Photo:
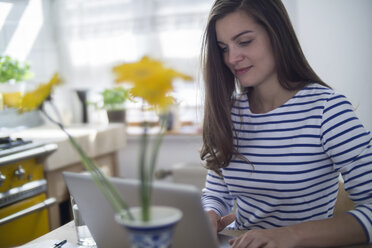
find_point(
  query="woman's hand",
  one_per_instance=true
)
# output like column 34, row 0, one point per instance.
column 218, row 222
column 269, row 238
column 341, row 230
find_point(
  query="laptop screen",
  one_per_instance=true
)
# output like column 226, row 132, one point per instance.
column 194, row 229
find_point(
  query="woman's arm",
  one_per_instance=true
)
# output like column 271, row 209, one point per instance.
column 219, row 223
column 349, row 147
column 337, row 231
column 344, row 229
column 216, row 196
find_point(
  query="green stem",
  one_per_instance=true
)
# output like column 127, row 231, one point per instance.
column 148, row 171
column 143, row 175
column 157, row 144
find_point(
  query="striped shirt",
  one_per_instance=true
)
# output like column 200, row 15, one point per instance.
column 297, row 152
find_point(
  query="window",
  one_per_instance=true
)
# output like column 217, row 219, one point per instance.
column 95, row 35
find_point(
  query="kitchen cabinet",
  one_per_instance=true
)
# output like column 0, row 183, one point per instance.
column 101, row 142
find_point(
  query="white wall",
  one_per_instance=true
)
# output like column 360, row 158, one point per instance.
column 336, row 36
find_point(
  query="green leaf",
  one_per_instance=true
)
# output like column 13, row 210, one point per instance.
column 11, row 69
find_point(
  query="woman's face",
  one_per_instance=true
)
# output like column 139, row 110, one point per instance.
column 246, row 49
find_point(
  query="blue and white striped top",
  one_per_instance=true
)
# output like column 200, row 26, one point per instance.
column 297, row 153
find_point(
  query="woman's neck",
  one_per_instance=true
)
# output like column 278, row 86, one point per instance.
column 265, row 99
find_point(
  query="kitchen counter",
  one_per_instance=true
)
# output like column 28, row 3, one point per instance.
column 100, row 142
column 95, row 140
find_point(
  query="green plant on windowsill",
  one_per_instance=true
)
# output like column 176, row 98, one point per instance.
column 113, row 99
column 13, row 71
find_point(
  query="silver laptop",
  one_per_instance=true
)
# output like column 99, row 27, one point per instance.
column 194, row 229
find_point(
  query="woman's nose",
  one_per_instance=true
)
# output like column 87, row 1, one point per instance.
column 234, row 56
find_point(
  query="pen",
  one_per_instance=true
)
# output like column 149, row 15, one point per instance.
column 57, row 245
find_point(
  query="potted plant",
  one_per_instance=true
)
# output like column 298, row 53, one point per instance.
column 14, row 83
column 12, row 74
column 151, row 81
column 13, row 71
column 113, row 101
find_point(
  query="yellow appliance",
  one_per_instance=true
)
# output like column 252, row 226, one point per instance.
column 23, row 201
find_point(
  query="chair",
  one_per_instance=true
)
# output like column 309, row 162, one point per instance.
column 343, row 202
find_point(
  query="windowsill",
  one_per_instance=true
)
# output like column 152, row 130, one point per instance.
column 135, row 130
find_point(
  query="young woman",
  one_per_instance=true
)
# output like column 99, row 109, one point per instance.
column 276, row 138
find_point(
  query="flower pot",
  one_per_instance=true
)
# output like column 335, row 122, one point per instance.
column 116, row 115
column 157, row 232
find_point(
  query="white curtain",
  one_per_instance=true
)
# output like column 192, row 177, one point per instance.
column 93, row 35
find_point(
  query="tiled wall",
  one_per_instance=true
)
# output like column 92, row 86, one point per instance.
column 26, row 34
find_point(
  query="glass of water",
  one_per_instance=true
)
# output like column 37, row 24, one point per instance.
column 84, row 237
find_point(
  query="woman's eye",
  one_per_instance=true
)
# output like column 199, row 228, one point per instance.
column 244, row 43
column 223, row 49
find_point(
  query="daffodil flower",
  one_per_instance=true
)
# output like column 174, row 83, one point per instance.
column 12, row 99
column 30, row 100
column 151, row 81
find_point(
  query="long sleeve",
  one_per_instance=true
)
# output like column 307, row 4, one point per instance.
column 348, row 144
column 216, row 195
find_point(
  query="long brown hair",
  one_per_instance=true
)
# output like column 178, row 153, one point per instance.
column 294, row 72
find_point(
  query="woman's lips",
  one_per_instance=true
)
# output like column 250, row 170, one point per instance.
column 242, row 70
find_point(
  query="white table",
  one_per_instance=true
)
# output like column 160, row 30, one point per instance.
column 67, row 232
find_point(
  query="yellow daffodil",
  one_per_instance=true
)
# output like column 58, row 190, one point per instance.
column 12, row 99
column 151, row 80
column 30, row 100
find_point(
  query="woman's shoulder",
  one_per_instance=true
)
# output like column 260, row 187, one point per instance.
column 316, row 88
column 323, row 95
column 318, row 91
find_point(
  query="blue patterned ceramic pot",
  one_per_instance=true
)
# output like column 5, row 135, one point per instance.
column 157, row 233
